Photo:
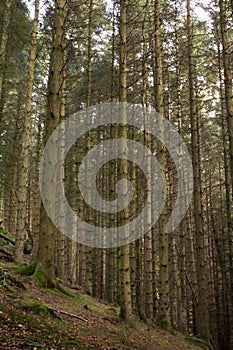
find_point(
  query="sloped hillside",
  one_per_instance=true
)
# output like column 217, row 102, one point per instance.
column 37, row 318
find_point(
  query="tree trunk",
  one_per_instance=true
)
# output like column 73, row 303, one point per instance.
column 35, row 193
column 148, row 257
column 227, row 65
column 46, row 249
column 3, row 43
column 163, row 309
column 126, row 302
column 24, row 163
column 202, row 306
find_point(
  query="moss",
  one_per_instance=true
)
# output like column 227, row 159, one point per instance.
column 7, row 236
column 39, row 331
column 203, row 343
column 162, row 323
column 39, row 273
column 38, row 308
column 41, row 277
column 26, row 270
column 113, row 311
column 131, row 324
column 7, row 287
column 58, row 287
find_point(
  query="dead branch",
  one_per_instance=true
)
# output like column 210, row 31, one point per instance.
column 68, row 314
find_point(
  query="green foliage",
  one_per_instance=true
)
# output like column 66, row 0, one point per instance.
column 20, row 30
column 14, row 85
column 101, row 84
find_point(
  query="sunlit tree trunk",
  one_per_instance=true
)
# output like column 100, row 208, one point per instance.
column 24, row 162
column 126, row 302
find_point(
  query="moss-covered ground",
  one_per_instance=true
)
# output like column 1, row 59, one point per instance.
column 33, row 317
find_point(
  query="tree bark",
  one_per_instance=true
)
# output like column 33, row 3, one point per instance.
column 24, row 163
column 202, row 305
column 126, row 302
column 227, row 65
column 163, row 308
column 46, row 249
column 3, row 43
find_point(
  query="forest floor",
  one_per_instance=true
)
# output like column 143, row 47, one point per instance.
column 37, row 318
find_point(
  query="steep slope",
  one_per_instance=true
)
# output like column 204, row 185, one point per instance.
column 37, row 318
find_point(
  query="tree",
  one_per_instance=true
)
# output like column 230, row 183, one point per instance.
column 24, row 164
column 46, row 248
column 201, row 307
column 227, row 65
column 158, row 54
column 163, row 309
column 11, row 105
column 126, row 302
column 3, row 43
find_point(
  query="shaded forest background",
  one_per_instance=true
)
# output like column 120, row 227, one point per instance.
column 75, row 54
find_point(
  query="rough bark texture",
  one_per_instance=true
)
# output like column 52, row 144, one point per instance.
column 227, row 65
column 24, row 163
column 163, row 309
column 126, row 303
column 201, row 307
column 3, row 43
column 46, row 251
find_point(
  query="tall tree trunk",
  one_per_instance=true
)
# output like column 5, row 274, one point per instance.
column 163, row 309
column 10, row 195
column 202, row 307
column 113, row 82
column 89, row 54
column 46, row 249
column 126, row 302
column 227, row 65
column 60, row 239
column 3, row 43
column 148, row 257
column 227, row 183
column 24, row 163
column 89, row 250
column 180, row 244
column 35, row 193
